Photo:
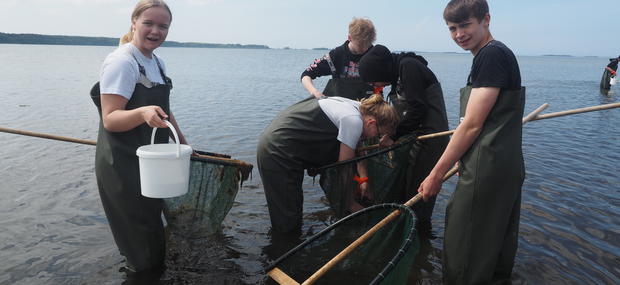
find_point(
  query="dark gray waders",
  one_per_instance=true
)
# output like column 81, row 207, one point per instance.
column 352, row 88
column 605, row 80
column 135, row 220
column 425, row 154
column 482, row 217
column 300, row 137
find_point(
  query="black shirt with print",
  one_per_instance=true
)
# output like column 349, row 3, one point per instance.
column 344, row 61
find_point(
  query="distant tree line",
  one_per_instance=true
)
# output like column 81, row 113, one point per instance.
column 36, row 39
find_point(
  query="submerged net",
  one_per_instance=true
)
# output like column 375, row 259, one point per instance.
column 385, row 258
column 214, row 182
column 386, row 171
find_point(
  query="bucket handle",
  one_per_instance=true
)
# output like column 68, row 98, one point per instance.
column 174, row 132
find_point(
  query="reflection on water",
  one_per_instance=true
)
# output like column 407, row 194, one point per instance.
column 53, row 229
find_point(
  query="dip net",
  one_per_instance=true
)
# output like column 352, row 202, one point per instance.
column 387, row 176
column 214, row 182
column 383, row 257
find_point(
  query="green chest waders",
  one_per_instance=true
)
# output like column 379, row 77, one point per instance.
column 605, row 85
column 424, row 154
column 482, row 217
column 352, row 88
column 135, row 220
column 300, row 137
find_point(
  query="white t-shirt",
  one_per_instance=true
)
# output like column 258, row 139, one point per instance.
column 120, row 73
column 345, row 114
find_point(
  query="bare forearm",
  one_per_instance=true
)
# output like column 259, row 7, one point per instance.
column 361, row 169
column 306, row 81
column 123, row 120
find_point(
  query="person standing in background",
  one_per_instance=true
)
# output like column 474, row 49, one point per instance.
column 609, row 73
column 342, row 64
column 132, row 97
column 482, row 216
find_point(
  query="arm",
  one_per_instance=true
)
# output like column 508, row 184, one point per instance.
column 480, row 103
column 306, row 81
column 346, row 152
column 319, row 67
column 117, row 119
column 415, row 78
column 613, row 72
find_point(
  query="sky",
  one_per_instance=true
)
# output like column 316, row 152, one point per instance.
column 528, row 27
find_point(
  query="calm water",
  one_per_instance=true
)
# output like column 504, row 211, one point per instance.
column 53, row 229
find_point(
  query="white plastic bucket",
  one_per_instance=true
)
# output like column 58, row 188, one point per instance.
column 613, row 80
column 164, row 168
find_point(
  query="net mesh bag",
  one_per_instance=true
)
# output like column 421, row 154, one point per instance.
column 214, row 182
column 385, row 258
column 386, row 171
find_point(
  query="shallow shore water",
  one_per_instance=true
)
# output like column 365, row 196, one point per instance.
column 53, row 229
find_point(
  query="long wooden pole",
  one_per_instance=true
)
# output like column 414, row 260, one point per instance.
column 540, row 117
column 47, row 136
column 90, row 142
column 391, row 217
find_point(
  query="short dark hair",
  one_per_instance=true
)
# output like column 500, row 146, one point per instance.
column 460, row 10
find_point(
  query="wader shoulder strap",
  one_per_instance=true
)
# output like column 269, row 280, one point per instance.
column 332, row 67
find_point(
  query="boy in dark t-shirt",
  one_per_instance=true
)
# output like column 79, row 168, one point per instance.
column 482, row 217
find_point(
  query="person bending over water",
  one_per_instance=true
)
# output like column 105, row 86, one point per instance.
column 310, row 134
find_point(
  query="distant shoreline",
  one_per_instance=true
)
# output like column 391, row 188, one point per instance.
column 38, row 39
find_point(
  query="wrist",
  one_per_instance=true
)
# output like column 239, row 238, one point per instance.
column 360, row 180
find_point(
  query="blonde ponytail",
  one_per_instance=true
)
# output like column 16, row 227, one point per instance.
column 386, row 116
column 128, row 37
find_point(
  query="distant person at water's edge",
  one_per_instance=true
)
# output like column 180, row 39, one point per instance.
column 482, row 216
column 612, row 67
column 342, row 64
column 133, row 92
column 310, row 134
column 417, row 96
column 609, row 73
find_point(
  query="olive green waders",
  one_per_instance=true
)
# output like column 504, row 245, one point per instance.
column 300, row 137
column 422, row 160
column 482, row 217
column 135, row 220
column 605, row 84
column 352, row 88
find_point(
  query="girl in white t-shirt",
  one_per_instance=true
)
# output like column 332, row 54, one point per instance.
column 133, row 97
column 310, row 134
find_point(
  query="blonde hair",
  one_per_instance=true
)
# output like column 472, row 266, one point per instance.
column 363, row 31
column 386, row 116
column 142, row 6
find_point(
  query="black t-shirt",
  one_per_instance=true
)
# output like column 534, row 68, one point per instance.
column 414, row 78
column 495, row 66
column 345, row 63
column 613, row 64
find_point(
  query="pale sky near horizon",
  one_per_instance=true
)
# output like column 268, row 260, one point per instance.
column 561, row 27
